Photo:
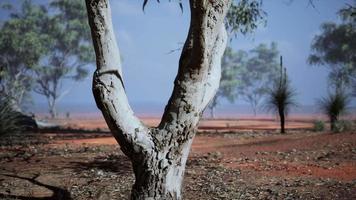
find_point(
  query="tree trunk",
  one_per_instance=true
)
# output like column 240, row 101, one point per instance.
column 282, row 120
column 52, row 107
column 53, row 112
column 333, row 121
column 254, row 109
column 212, row 112
column 158, row 155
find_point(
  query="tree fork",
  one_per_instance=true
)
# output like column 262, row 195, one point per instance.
column 159, row 155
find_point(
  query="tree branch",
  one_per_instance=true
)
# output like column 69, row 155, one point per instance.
column 108, row 87
column 199, row 68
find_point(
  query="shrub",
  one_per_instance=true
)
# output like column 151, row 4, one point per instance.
column 10, row 120
column 281, row 97
column 334, row 105
column 319, row 126
column 342, row 126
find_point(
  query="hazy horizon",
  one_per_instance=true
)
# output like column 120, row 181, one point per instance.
column 156, row 110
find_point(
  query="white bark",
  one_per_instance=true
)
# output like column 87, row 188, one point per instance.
column 159, row 154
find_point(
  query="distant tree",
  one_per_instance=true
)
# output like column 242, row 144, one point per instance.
column 231, row 65
column 22, row 44
column 335, row 47
column 243, row 17
column 256, row 75
column 40, row 48
column 281, row 96
column 69, row 50
column 334, row 105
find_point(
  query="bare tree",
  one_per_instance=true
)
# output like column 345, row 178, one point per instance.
column 159, row 154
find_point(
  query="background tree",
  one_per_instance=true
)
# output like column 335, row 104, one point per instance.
column 231, row 65
column 281, row 96
column 335, row 47
column 69, row 50
column 41, row 45
column 22, row 44
column 260, row 68
column 244, row 17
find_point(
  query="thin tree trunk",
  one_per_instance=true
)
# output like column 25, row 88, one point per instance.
column 212, row 112
column 282, row 120
column 52, row 107
column 159, row 155
column 333, row 121
column 254, row 109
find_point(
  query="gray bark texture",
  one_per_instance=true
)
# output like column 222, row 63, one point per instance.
column 159, row 154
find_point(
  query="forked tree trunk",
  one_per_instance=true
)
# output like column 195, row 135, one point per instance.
column 159, row 154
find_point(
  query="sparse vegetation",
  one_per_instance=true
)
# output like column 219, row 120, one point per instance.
column 11, row 121
column 318, row 126
column 334, row 47
column 259, row 69
column 342, row 126
column 281, row 97
column 334, row 105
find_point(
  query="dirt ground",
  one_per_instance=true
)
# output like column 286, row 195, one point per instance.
column 244, row 159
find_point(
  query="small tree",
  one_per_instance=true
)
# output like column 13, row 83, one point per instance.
column 256, row 75
column 281, row 97
column 38, row 49
column 334, row 105
column 69, row 50
column 231, row 65
column 22, row 43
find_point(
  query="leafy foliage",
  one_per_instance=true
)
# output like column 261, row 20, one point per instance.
column 41, row 45
column 247, row 75
column 231, row 65
column 318, row 125
column 334, row 105
column 69, row 50
column 281, row 97
column 260, row 68
column 244, row 16
column 335, row 46
column 22, row 44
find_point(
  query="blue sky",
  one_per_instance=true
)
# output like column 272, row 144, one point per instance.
column 145, row 38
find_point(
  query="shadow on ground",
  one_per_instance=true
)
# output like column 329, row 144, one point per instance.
column 118, row 164
column 58, row 193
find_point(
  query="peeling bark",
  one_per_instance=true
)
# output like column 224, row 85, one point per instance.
column 159, row 154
